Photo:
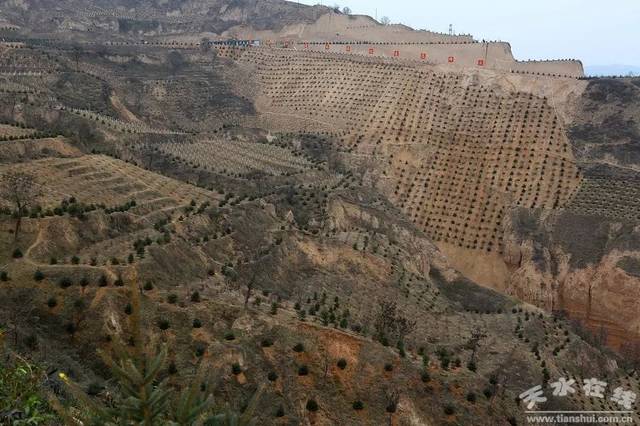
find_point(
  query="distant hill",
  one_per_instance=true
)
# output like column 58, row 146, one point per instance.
column 155, row 17
column 615, row 69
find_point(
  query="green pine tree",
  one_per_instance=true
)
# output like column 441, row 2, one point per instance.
column 143, row 398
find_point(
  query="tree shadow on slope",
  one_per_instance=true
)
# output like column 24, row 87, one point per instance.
column 469, row 296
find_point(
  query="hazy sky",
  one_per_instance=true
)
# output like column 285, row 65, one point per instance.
column 598, row 32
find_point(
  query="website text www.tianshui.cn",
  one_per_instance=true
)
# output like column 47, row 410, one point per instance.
column 577, row 418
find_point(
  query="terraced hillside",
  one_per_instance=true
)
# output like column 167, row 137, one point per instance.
column 9, row 132
column 238, row 157
column 126, row 18
column 454, row 155
column 304, row 333
column 310, row 224
column 459, row 154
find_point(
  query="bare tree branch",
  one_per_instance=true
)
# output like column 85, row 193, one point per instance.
column 19, row 189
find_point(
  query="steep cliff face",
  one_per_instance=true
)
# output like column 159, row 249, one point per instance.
column 577, row 266
column 582, row 259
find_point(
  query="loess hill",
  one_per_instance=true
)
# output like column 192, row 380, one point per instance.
column 266, row 202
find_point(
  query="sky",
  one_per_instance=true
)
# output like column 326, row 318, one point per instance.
column 597, row 32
